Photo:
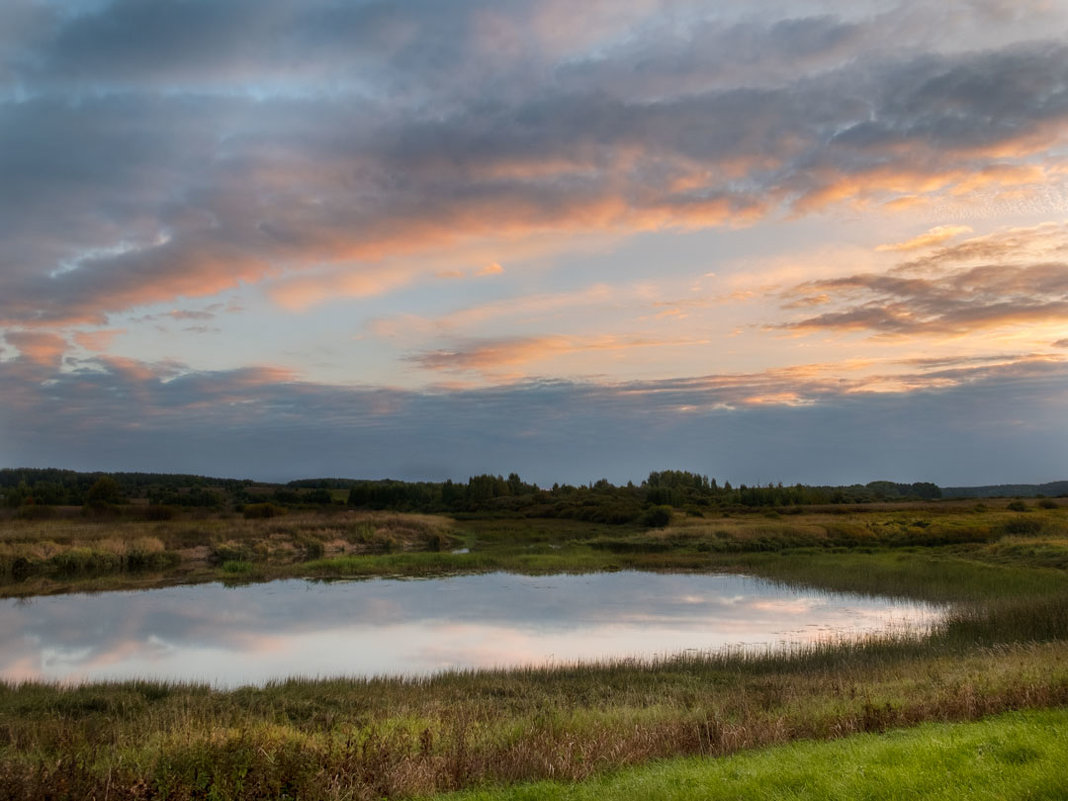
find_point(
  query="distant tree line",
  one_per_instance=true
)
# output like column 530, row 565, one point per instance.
column 54, row 487
column 599, row 501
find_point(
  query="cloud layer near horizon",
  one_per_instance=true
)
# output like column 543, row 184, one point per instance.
column 191, row 189
column 757, row 428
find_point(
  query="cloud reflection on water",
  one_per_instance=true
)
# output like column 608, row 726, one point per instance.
column 261, row 632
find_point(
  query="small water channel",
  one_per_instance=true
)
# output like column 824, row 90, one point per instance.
column 256, row 633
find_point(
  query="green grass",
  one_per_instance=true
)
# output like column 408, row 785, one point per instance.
column 1014, row 756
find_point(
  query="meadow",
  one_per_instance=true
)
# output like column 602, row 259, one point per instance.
column 1004, row 647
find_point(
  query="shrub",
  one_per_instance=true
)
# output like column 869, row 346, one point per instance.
column 656, row 516
column 1017, row 506
column 35, row 513
column 1023, row 525
column 159, row 512
column 260, row 511
column 313, row 548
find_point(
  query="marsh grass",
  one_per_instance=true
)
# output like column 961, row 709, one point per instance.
column 1003, row 647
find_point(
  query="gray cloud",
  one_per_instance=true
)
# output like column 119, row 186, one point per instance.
column 176, row 149
column 961, row 423
column 941, row 293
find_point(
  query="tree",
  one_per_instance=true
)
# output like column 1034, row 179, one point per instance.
column 104, row 492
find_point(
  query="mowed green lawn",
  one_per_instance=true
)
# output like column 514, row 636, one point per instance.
column 1020, row 755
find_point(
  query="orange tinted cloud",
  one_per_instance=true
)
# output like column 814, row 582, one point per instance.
column 491, row 355
column 359, row 281
column 98, row 341
column 1015, row 277
column 934, row 236
column 43, row 348
column 903, row 183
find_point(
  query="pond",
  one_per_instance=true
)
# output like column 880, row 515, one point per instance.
column 255, row 633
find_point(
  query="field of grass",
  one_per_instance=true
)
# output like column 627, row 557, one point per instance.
column 1003, row 648
column 1009, row 757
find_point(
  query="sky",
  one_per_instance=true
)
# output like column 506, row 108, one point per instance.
column 788, row 240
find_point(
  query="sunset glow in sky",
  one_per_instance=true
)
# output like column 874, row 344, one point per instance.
column 786, row 241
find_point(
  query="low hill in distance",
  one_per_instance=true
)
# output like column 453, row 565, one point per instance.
column 1052, row 489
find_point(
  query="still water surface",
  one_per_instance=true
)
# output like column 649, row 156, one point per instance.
column 256, row 633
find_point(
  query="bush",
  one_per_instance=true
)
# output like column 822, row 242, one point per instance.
column 656, row 516
column 261, row 511
column 1017, row 506
column 104, row 492
column 159, row 512
column 1023, row 525
column 35, row 513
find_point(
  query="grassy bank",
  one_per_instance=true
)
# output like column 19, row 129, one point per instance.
column 47, row 556
column 62, row 555
column 1014, row 756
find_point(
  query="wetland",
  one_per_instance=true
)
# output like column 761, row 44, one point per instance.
column 989, row 583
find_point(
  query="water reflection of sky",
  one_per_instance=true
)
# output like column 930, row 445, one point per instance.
column 256, row 633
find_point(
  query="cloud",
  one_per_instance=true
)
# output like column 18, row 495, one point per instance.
column 40, row 347
column 935, row 236
column 490, row 269
column 956, row 423
column 98, row 341
column 313, row 144
column 190, row 314
column 489, row 355
column 988, row 282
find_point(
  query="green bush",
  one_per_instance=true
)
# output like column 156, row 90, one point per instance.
column 656, row 516
column 34, row 512
column 261, row 511
column 159, row 512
